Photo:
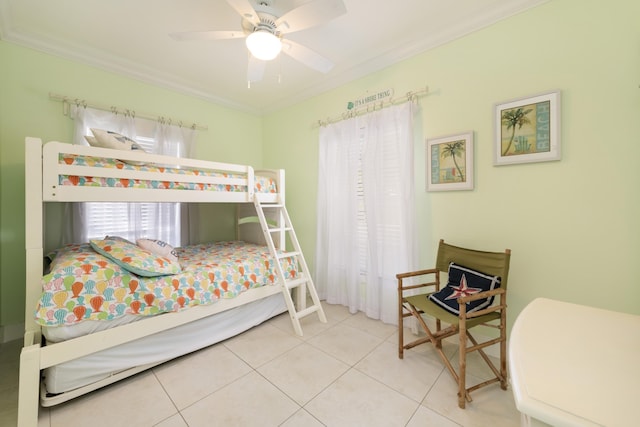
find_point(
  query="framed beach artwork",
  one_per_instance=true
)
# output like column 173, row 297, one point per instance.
column 450, row 162
column 527, row 130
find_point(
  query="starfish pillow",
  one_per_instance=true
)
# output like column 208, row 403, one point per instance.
column 463, row 282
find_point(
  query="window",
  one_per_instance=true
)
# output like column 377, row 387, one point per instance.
column 365, row 233
column 134, row 220
column 95, row 220
column 361, row 216
column 387, row 227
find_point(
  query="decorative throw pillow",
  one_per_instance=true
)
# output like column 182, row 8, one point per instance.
column 83, row 257
column 463, row 282
column 135, row 259
column 159, row 248
column 113, row 140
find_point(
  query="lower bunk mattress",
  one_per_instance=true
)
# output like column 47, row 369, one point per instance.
column 161, row 347
column 108, row 279
column 107, row 283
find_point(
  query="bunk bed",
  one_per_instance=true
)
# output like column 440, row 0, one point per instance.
column 78, row 339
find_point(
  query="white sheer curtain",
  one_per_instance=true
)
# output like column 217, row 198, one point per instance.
column 366, row 212
column 176, row 141
column 164, row 221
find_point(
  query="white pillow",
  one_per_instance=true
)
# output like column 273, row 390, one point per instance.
column 158, row 247
column 93, row 141
column 109, row 139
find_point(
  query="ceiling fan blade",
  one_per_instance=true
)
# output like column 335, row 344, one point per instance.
column 307, row 56
column 255, row 70
column 208, row 35
column 310, row 14
column 246, row 10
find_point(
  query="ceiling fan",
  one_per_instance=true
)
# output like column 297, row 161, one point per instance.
column 264, row 29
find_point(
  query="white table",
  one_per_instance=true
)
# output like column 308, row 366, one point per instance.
column 573, row 365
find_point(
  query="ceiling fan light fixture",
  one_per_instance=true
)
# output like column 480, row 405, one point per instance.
column 264, row 45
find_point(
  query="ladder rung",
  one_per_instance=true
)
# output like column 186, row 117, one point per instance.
column 283, row 225
column 307, row 311
column 273, row 230
column 296, row 282
column 287, row 254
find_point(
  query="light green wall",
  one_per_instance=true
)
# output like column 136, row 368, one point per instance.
column 572, row 225
column 26, row 79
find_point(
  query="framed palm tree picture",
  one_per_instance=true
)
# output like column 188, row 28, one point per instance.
column 450, row 162
column 528, row 129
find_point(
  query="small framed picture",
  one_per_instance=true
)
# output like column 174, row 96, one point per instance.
column 450, row 162
column 527, row 130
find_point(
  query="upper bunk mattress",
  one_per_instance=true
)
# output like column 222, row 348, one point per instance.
column 180, row 178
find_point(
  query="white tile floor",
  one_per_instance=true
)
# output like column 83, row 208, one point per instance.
column 343, row 373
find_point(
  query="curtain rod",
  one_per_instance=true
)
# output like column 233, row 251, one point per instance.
column 68, row 101
column 409, row 96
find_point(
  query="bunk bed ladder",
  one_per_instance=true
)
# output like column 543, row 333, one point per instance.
column 303, row 283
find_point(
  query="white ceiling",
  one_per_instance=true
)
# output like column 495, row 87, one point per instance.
column 131, row 37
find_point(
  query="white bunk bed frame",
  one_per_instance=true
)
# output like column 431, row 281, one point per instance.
column 42, row 169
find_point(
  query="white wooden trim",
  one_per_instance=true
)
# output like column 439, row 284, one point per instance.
column 52, row 169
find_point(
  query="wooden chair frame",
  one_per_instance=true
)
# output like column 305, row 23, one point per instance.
column 417, row 305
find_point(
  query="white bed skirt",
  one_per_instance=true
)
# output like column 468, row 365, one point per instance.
column 162, row 346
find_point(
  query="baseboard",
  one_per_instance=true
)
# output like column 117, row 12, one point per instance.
column 11, row 332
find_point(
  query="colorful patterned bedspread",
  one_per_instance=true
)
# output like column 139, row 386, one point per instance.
column 262, row 184
column 84, row 285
